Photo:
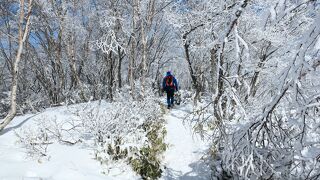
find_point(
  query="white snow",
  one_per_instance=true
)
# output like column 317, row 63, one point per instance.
column 317, row 46
column 182, row 160
column 183, row 157
column 65, row 162
column 272, row 13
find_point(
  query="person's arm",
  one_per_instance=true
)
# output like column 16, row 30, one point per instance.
column 163, row 83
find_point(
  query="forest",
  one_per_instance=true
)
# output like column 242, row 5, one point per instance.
column 248, row 75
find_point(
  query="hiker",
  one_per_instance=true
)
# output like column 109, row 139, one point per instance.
column 169, row 85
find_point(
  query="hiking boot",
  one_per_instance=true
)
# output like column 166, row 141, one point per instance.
column 168, row 106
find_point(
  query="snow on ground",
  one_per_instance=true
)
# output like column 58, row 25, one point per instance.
column 183, row 159
column 65, row 163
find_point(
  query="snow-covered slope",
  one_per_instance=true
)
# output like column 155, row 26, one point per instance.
column 182, row 160
column 65, row 162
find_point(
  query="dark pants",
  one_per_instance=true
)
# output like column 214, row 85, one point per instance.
column 170, row 96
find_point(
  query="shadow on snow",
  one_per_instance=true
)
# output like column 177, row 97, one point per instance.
column 8, row 129
column 200, row 171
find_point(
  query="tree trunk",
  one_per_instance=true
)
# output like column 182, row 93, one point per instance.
column 213, row 71
column 59, row 64
column 186, row 45
column 109, row 64
column 131, row 68
column 120, row 53
column 220, row 88
column 133, row 48
column 76, row 82
column 265, row 53
column 194, row 79
column 22, row 38
column 144, row 59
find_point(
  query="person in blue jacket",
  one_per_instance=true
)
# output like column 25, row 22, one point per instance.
column 169, row 85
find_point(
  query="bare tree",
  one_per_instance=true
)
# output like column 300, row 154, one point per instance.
column 23, row 33
column 194, row 78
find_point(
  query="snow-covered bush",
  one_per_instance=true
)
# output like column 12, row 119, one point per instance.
column 35, row 141
column 49, row 130
column 186, row 96
column 127, row 131
column 147, row 161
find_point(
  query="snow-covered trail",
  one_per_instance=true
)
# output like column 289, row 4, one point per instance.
column 182, row 159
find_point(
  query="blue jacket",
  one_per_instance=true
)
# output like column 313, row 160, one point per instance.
column 175, row 83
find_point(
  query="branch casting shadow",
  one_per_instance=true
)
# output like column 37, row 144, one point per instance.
column 8, row 129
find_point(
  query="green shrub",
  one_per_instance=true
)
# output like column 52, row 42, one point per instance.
column 115, row 151
column 147, row 163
